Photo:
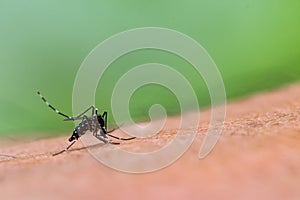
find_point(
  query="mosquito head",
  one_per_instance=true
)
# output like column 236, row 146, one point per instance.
column 74, row 136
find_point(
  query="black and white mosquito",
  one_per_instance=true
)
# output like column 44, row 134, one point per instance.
column 95, row 123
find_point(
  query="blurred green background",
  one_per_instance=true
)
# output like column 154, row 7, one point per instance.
column 255, row 44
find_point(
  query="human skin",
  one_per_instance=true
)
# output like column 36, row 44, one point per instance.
column 256, row 157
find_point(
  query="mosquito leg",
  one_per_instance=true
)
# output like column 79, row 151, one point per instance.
column 50, row 106
column 112, row 130
column 120, row 138
column 80, row 115
column 99, row 137
column 103, row 136
column 104, row 132
column 114, row 143
column 104, row 115
column 66, row 149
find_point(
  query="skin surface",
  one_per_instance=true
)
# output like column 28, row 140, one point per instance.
column 257, row 157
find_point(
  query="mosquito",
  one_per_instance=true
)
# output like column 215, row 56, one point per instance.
column 95, row 123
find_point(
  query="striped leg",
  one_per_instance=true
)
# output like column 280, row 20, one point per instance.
column 68, row 118
column 48, row 104
column 81, row 116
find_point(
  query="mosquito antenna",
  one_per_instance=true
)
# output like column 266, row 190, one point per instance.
column 48, row 104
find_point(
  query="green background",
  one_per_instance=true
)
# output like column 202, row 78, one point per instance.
column 255, row 44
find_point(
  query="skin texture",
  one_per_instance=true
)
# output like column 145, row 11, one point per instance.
column 257, row 157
